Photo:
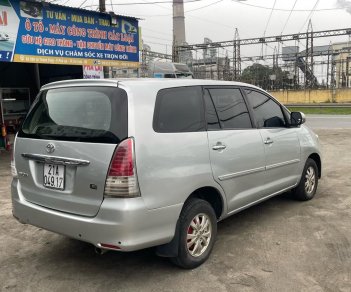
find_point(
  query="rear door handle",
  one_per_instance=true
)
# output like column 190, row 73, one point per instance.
column 268, row 141
column 219, row 146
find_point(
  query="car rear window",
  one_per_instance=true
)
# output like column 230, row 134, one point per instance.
column 86, row 114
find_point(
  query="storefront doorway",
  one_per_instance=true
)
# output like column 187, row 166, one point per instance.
column 19, row 85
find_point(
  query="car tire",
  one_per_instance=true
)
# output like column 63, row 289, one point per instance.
column 307, row 187
column 197, row 234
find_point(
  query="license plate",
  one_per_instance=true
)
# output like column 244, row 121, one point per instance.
column 54, row 176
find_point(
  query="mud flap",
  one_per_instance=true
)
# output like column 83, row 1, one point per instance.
column 170, row 249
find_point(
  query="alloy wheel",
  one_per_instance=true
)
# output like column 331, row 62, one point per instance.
column 310, row 180
column 199, row 234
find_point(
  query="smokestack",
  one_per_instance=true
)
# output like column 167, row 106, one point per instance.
column 178, row 22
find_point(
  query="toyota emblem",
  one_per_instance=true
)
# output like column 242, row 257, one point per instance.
column 50, row 148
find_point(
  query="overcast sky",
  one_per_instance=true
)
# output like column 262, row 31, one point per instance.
column 217, row 19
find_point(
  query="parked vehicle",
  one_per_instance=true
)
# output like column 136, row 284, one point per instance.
column 132, row 164
column 158, row 69
column 4, row 36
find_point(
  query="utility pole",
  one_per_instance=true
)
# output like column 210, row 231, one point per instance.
column 102, row 8
column 309, row 77
column 102, row 5
column 329, row 74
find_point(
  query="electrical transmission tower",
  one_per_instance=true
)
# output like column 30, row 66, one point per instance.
column 236, row 56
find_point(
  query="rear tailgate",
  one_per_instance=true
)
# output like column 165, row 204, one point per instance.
column 64, row 149
column 79, row 180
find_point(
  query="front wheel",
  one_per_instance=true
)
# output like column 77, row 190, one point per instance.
column 307, row 187
column 198, row 230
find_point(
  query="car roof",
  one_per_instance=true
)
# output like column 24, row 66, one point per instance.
column 156, row 83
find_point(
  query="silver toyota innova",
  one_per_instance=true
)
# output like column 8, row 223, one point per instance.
column 131, row 164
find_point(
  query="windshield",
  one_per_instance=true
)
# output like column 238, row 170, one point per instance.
column 89, row 114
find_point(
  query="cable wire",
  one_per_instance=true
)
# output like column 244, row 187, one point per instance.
column 269, row 18
column 203, row 6
column 83, row 3
column 156, row 5
column 161, row 15
column 281, row 9
column 143, row 3
column 310, row 15
column 287, row 20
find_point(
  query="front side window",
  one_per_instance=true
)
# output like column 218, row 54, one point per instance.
column 89, row 114
column 267, row 112
column 179, row 109
column 231, row 108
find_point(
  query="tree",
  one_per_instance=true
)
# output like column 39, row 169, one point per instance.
column 265, row 77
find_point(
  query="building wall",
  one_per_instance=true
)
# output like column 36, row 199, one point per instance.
column 313, row 96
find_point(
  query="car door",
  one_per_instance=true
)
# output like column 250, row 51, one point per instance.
column 236, row 148
column 281, row 143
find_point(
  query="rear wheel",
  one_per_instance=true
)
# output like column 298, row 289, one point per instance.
column 309, row 181
column 198, row 230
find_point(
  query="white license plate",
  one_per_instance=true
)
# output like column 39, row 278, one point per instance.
column 54, row 176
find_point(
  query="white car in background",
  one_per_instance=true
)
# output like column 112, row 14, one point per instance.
column 4, row 36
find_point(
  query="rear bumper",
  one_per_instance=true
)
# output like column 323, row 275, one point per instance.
column 125, row 223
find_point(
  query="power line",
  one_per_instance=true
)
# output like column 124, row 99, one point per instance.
column 156, row 31
column 144, row 3
column 161, row 44
column 83, row 3
column 203, row 6
column 156, row 5
column 271, row 39
column 162, row 39
column 281, row 9
column 287, row 20
column 214, row 22
column 151, row 15
column 310, row 15
column 269, row 18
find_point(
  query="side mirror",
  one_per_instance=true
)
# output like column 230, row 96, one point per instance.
column 297, row 118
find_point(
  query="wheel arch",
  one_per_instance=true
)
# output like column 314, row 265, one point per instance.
column 317, row 160
column 208, row 193
column 211, row 195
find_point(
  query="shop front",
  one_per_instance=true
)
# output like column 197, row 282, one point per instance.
column 14, row 105
column 42, row 42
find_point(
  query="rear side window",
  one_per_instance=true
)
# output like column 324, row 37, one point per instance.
column 211, row 115
column 268, row 113
column 89, row 114
column 179, row 110
column 231, row 108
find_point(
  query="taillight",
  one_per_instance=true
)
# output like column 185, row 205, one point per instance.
column 121, row 180
column 13, row 166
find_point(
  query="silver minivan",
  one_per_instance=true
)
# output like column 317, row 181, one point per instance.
column 131, row 164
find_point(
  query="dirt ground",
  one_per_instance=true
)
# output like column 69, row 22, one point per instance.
column 279, row 245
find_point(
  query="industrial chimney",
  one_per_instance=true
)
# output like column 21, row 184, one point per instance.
column 178, row 22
